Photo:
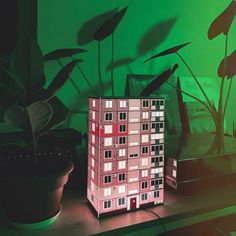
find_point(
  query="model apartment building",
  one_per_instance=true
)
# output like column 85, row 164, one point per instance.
column 125, row 153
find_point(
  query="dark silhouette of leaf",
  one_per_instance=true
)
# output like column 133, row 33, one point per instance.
column 168, row 51
column 16, row 116
column 12, row 140
column 60, row 78
column 63, row 52
column 160, row 79
column 110, row 25
column 40, row 114
column 155, row 36
column 27, row 64
column 38, row 86
column 223, row 21
column 230, row 67
column 86, row 33
column 120, row 62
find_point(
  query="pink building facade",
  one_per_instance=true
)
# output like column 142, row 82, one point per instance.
column 125, row 153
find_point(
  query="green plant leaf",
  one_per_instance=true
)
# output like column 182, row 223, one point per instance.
column 87, row 31
column 109, row 27
column 222, row 22
column 64, row 52
column 40, row 114
column 16, row 116
column 168, row 51
column 27, row 64
column 154, row 36
column 230, row 66
column 120, row 62
column 160, row 79
column 60, row 78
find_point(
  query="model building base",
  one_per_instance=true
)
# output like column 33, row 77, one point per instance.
column 125, row 153
column 122, row 211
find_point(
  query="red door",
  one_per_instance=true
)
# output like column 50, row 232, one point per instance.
column 132, row 203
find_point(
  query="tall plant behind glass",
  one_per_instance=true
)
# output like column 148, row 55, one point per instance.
column 226, row 71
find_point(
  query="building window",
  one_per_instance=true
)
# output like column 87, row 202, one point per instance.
column 156, row 170
column 144, row 150
column 121, row 189
column 144, row 185
column 107, row 192
column 121, row 176
column 144, row 196
column 93, row 162
column 156, row 182
column 122, row 104
column 144, row 173
column 108, row 129
column 122, row 116
column 92, row 185
column 94, row 103
column 145, row 115
column 108, row 166
column 108, row 116
column 133, row 155
column 92, row 174
column 122, row 128
column 93, row 115
column 121, row 164
column 122, row 140
column 108, row 104
column 155, row 114
column 121, row 201
column 92, row 198
column 157, row 148
column 156, row 194
column 122, row 152
column 107, row 153
column 93, row 150
column 107, row 179
column 145, row 138
column 93, row 138
column 145, row 103
column 161, row 102
column 107, row 204
column 144, row 161
column 155, row 103
column 93, row 126
column 107, row 141
column 145, row 126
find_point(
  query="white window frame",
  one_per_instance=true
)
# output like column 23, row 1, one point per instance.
column 121, row 189
column 122, row 104
column 108, row 141
column 146, row 196
column 92, row 185
column 93, row 162
column 93, row 126
column 94, row 103
column 107, row 166
column 108, row 129
column 122, row 152
column 92, row 174
column 106, row 202
column 93, row 115
column 121, row 165
column 108, row 104
column 145, row 115
column 144, row 173
column 107, row 192
column 145, row 138
column 123, row 200
column 93, row 138
column 93, row 150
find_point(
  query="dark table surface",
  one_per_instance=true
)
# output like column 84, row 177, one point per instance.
column 178, row 210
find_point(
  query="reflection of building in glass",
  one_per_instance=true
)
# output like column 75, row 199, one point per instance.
column 125, row 153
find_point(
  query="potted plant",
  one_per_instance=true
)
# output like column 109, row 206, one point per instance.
column 31, row 189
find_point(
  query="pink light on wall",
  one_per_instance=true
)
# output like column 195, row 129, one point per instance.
column 125, row 153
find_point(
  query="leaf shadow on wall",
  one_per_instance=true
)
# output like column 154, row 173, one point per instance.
column 155, row 36
column 87, row 31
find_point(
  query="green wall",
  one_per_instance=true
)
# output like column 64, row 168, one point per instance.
column 59, row 22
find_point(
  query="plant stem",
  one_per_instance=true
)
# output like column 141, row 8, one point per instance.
column 99, row 64
column 85, row 77
column 71, row 80
column 227, row 96
column 33, row 139
column 112, row 60
column 196, row 80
